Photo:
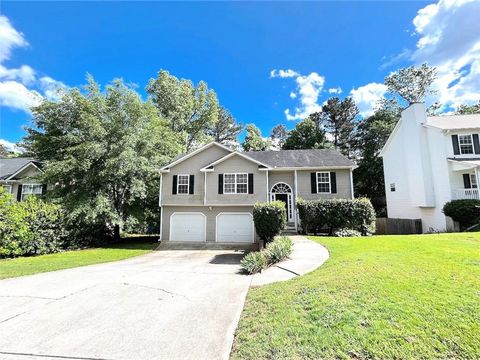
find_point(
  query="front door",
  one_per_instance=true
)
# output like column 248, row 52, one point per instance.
column 284, row 198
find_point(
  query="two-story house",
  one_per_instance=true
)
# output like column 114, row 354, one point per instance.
column 428, row 161
column 208, row 194
column 18, row 177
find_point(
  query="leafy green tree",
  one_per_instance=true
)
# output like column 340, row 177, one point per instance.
column 468, row 109
column 225, row 129
column 254, row 140
column 412, row 84
column 306, row 135
column 279, row 135
column 4, row 152
column 372, row 135
column 102, row 150
column 191, row 110
column 339, row 119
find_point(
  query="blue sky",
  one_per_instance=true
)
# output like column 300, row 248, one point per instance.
column 235, row 48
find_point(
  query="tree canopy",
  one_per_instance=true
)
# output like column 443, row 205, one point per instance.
column 254, row 140
column 306, row 135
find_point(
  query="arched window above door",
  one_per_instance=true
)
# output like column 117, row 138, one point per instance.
column 281, row 188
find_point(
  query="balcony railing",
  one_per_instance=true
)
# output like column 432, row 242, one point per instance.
column 466, row 194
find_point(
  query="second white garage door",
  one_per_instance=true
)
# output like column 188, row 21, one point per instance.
column 235, row 227
column 187, row 227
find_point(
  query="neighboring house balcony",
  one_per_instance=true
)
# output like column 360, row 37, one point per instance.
column 465, row 178
column 459, row 194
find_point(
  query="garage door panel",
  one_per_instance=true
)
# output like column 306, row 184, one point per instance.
column 187, row 227
column 235, row 228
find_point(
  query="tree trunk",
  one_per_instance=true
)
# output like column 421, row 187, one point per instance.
column 116, row 232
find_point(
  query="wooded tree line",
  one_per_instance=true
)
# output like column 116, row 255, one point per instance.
column 102, row 148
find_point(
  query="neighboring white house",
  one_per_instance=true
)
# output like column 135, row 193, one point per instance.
column 429, row 160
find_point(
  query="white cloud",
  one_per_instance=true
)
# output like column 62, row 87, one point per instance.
column 366, row 97
column 11, row 146
column 288, row 73
column 9, row 38
column 337, row 90
column 293, row 95
column 19, row 87
column 449, row 38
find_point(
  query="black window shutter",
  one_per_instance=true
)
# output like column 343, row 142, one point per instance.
column 19, row 192
column 333, row 182
column 174, row 185
column 466, row 181
column 456, row 146
column 250, row 183
column 476, row 144
column 44, row 189
column 191, row 184
column 220, row 183
column 313, row 182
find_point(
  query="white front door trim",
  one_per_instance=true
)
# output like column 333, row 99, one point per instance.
column 287, row 190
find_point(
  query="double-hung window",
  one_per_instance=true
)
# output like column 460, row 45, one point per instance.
column 7, row 188
column 31, row 190
column 183, row 184
column 323, row 182
column 466, row 144
column 235, row 183
column 473, row 181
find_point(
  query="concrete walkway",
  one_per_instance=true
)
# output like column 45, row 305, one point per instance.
column 163, row 305
column 306, row 256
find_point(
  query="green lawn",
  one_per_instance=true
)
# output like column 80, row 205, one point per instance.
column 69, row 259
column 382, row 297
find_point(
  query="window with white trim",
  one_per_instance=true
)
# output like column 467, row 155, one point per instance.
column 466, row 144
column 392, row 187
column 7, row 188
column 323, row 182
column 183, row 182
column 235, row 183
column 473, row 181
column 31, row 190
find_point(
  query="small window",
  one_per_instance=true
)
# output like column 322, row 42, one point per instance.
column 473, row 181
column 392, row 187
column 235, row 183
column 466, row 144
column 7, row 188
column 31, row 190
column 323, row 182
column 182, row 184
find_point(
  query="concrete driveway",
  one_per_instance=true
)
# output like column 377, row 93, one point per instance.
column 165, row 305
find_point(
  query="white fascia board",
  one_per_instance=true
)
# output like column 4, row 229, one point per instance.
column 31, row 163
column 189, row 155
column 229, row 156
column 314, row 168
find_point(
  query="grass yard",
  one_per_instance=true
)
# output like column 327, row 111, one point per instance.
column 382, row 297
column 70, row 259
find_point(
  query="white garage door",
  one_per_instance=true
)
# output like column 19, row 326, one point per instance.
column 236, row 227
column 187, row 227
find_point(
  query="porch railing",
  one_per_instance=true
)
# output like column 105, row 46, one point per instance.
column 466, row 194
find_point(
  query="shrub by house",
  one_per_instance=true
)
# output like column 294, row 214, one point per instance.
column 465, row 211
column 336, row 214
column 270, row 219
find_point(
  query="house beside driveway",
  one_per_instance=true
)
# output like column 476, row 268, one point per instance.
column 208, row 194
column 428, row 161
column 18, row 177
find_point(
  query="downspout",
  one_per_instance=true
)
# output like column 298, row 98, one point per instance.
column 351, row 183
column 295, row 201
column 268, row 193
column 205, row 188
column 160, row 206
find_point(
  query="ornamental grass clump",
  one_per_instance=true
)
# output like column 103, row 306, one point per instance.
column 253, row 262
column 278, row 250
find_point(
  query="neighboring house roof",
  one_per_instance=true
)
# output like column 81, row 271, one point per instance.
column 454, row 122
column 312, row 158
column 11, row 166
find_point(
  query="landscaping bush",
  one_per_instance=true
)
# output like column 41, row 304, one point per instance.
column 30, row 227
column 466, row 211
column 347, row 233
column 335, row 214
column 254, row 262
column 270, row 219
column 278, row 250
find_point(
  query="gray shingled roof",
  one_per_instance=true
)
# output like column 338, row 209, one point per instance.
column 12, row 165
column 300, row 158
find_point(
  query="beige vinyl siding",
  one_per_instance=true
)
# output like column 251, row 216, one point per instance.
column 287, row 177
column 237, row 164
column 343, row 185
column 210, row 213
column 190, row 166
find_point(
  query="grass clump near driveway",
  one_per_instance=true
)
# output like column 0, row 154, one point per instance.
column 379, row 297
column 70, row 259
